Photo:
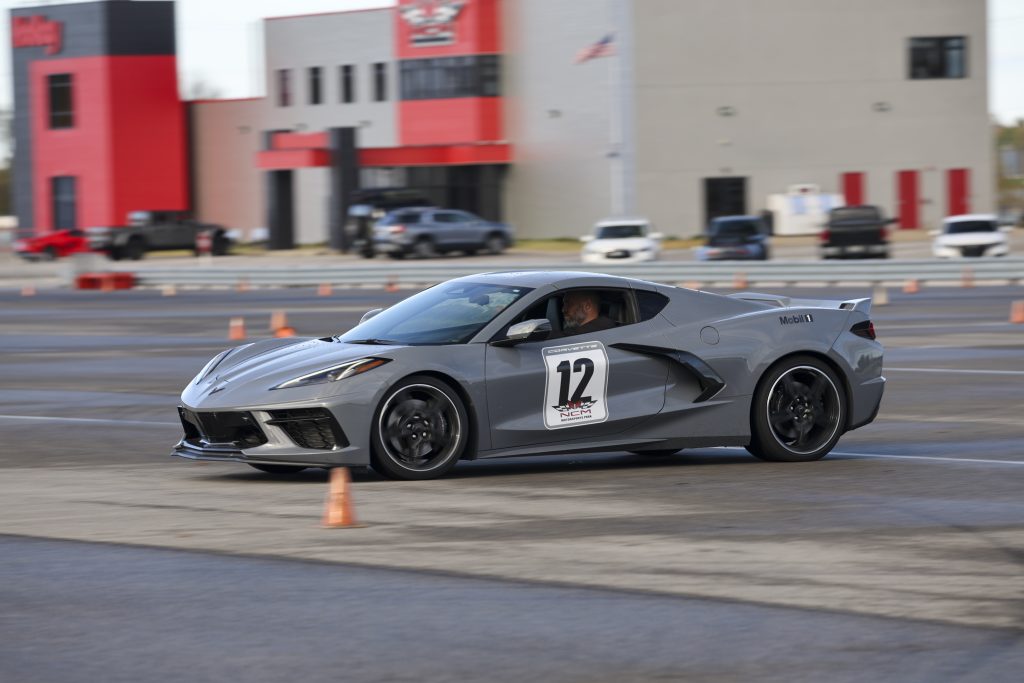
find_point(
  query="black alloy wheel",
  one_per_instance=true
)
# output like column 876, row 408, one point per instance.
column 419, row 431
column 798, row 413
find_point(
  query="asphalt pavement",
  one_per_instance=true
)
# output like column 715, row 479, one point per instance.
column 898, row 557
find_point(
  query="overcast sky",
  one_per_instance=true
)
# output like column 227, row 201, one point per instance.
column 219, row 44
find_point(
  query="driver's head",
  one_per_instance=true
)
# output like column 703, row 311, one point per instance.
column 579, row 308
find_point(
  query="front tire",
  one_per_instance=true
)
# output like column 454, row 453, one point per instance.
column 419, row 430
column 798, row 411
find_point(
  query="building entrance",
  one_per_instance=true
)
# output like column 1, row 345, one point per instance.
column 724, row 197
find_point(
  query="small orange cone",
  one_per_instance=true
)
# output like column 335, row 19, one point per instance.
column 911, row 287
column 691, row 284
column 284, row 331
column 324, row 289
column 391, row 286
column 168, row 290
column 1017, row 313
column 278, row 320
column 967, row 278
column 107, row 282
column 740, row 281
column 243, row 285
column 28, row 290
column 236, row 330
column 339, row 511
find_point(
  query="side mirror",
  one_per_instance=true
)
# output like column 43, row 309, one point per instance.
column 369, row 314
column 528, row 330
column 586, row 238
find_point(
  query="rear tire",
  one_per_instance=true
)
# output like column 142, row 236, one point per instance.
column 277, row 469
column 798, row 411
column 495, row 244
column 397, row 255
column 419, row 430
column 50, row 254
column 424, row 248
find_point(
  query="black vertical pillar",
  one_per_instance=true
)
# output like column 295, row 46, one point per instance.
column 344, row 181
column 280, row 203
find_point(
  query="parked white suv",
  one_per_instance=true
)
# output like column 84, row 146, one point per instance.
column 971, row 235
column 621, row 240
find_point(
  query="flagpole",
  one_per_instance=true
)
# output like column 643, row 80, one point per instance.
column 615, row 176
column 626, row 158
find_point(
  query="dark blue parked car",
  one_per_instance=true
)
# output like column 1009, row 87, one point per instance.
column 733, row 238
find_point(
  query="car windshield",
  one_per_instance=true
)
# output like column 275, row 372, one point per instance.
column 451, row 313
column 606, row 232
column 970, row 226
column 733, row 232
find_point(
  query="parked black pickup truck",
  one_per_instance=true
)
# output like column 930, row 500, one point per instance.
column 159, row 231
column 856, row 232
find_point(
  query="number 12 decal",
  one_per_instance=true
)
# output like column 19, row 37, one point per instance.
column 576, row 392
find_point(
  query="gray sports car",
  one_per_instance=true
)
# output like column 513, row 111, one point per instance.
column 485, row 366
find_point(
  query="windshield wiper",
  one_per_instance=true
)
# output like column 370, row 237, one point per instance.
column 381, row 342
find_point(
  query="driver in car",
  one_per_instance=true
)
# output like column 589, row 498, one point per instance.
column 581, row 312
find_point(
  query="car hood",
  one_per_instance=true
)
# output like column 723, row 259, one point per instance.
column 966, row 239
column 629, row 243
column 245, row 377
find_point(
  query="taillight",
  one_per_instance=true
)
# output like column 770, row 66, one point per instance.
column 824, row 236
column 396, row 229
column 864, row 329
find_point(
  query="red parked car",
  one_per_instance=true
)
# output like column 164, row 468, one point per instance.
column 52, row 245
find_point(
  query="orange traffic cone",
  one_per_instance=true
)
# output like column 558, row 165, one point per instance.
column 339, row 511
column 391, row 286
column 168, row 290
column 107, row 282
column 740, row 281
column 1017, row 313
column 967, row 278
column 324, row 289
column 236, row 330
column 284, row 331
column 911, row 287
column 691, row 284
column 243, row 285
column 278, row 320
column 28, row 290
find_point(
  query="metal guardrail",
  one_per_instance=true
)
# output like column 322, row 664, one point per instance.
column 687, row 273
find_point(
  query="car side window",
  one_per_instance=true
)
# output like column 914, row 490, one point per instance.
column 445, row 217
column 649, row 304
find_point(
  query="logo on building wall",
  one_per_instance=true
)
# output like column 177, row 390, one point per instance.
column 432, row 22
column 37, row 31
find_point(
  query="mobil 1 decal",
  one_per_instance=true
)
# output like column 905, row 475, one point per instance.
column 576, row 392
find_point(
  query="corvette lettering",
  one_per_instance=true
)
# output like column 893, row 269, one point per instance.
column 796, row 319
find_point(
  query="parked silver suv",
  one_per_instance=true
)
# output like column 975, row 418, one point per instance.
column 425, row 232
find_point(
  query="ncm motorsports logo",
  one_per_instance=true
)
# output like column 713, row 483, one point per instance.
column 796, row 319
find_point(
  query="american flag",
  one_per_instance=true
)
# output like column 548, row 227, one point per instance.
column 602, row 48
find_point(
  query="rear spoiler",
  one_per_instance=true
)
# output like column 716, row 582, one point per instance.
column 862, row 305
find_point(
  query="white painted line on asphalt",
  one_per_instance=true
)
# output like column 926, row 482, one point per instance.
column 947, row 419
column 89, row 420
column 957, row 371
column 929, row 457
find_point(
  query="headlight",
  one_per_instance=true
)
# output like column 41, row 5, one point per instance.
column 333, row 374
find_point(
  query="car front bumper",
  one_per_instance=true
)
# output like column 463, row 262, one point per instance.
column 970, row 252
column 632, row 257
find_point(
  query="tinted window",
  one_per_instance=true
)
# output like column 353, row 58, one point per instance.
column 734, row 231
column 944, row 57
column 856, row 213
column 348, row 86
column 448, row 77
column 314, row 85
column 61, row 105
column 380, row 82
column 451, row 313
column 402, row 218
column 618, row 231
column 650, row 304
column 970, row 226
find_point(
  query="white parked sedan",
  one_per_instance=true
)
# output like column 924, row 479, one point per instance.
column 621, row 240
column 970, row 235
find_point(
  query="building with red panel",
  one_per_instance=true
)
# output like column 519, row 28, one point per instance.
column 99, row 128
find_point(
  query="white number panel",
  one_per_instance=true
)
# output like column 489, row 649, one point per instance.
column 576, row 390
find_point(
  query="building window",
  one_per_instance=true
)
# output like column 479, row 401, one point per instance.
column 63, row 194
column 380, row 82
column 284, row 88
column 938, row 57
column 347, row 75
column 315, row 96
column 61, row 101
column 448, row 77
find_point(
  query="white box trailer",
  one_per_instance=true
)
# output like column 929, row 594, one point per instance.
column 802, row 209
